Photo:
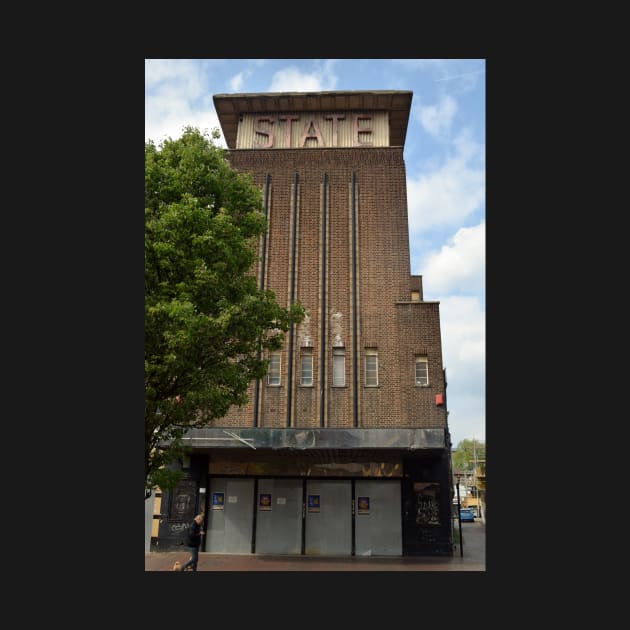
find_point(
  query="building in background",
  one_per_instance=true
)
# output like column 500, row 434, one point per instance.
column 343, row 448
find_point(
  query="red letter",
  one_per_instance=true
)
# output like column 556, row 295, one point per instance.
column 287, row 132
column 317, row 134
column 335, row 118
column 264, row 132
column 356, row 141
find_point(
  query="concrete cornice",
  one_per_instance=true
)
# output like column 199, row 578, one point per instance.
column 397, row 102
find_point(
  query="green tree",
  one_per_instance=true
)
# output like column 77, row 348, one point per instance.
column 207, row 325
column 463, row 457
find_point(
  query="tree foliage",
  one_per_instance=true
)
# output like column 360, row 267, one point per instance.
column 463, row 457
column 207, row 325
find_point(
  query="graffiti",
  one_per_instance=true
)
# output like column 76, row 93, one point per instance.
column 427, row 537
column 182, row 503
column 427, row 511
column 427, row 504
column 178, row 528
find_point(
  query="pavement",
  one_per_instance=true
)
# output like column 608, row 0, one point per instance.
column 472, row 557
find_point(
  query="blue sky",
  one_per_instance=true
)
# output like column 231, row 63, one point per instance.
column 445, row 162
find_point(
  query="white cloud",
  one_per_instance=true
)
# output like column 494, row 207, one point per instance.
column 236, row 82
column 463, row 329
column 446, row 195
column 158, row 70
column 167, row 116
column 183, row 76
column 292, row 79
column 176, row 95
column 463, row 346
column 459, row 266
column 436, row 119
column 466, row 417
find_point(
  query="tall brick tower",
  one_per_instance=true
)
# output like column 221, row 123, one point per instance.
column 344, row 447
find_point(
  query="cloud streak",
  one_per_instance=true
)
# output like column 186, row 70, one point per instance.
column 459, row 76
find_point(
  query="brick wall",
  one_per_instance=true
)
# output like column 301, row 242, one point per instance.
column 387, row 319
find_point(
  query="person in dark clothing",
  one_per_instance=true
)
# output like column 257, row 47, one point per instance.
column 194, row 542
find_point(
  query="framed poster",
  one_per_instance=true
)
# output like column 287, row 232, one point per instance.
column 363, row 505
column 264, row 502
column 218, row 500
column 313, row 503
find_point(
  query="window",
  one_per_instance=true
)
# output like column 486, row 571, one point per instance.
column 307, row 368
column 273, row 375
column 422, row 371
column 371, row 367
column 339, row 367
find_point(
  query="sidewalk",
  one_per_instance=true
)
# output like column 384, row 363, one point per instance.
column 473, row 559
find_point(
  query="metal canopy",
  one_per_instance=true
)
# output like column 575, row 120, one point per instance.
column 308, row 439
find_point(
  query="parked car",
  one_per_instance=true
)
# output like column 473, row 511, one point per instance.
column 466, row 514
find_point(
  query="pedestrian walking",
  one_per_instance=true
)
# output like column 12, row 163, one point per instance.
column 194, row 542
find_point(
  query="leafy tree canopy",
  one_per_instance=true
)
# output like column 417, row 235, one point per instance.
column 463, row 457
column 207, row 325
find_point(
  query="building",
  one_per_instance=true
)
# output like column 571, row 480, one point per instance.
column 477, row 498
column 344, row 447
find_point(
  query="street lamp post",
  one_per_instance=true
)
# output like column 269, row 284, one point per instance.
column 459, row 517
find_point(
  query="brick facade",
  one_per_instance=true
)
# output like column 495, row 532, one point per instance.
column 338, row 243
column 388, row 320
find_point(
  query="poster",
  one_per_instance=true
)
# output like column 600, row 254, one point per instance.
column 363, row 505
column 264, row 502
column 313, row 503
column 218, row 500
